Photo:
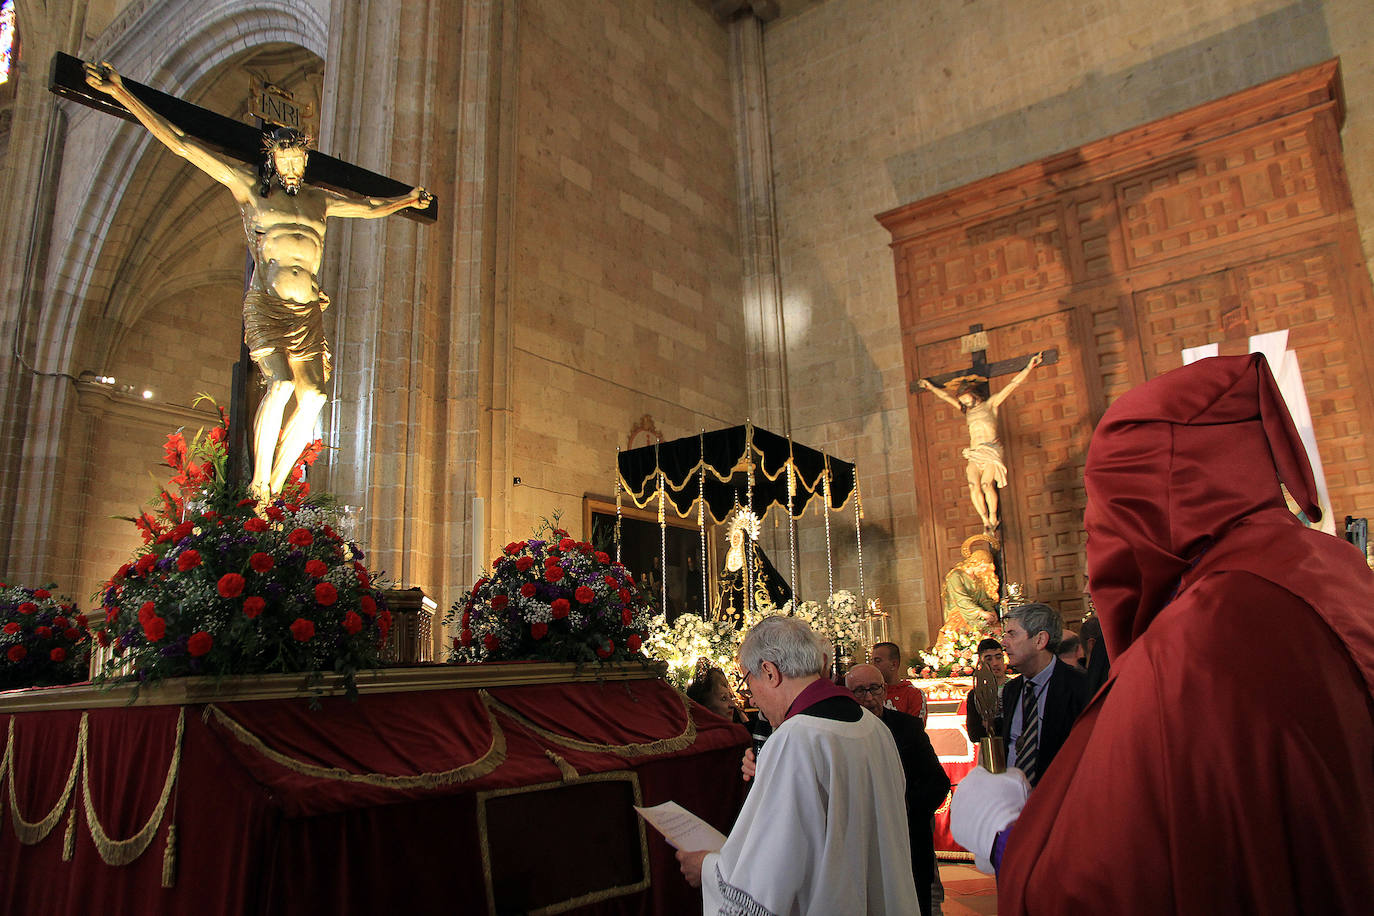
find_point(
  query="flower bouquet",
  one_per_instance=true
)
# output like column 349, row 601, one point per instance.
column 43, row 641
column 688, row 638
column 551, row 598
column 956, row 655
column 218, row 589
column 839, row 620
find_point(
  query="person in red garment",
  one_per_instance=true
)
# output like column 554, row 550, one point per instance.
column 1219, row 781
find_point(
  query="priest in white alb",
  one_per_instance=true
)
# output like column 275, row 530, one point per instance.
column 823, row 830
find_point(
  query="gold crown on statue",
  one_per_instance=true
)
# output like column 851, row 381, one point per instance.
column 745, row 520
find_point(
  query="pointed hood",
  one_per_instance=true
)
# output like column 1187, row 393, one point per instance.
column 1175, row 464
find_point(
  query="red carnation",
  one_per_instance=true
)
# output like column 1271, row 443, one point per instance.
column 82, row 620
column 384, row 623
column 261, row 562
column 16, row 653
column 625, row 616
column 182, row 530
column 550, row 561
column 230, row 585
column 363, row 579
column 103, row 638
column 199, row 643
column 188, row 559
column 466, row 637
column 539, row 630
column 303, row 630
column 301, row 537
column 145, row 564
column 633, row 642
column 603, row 557
column 528, row 589
column 247, row 500
column 58, row 655
column 255, row 524
column 275, row 513
column 624, row 594
column 514, row 547
column 561, row 608
column 368, row 605
column 316, row 569
column 567, row 544
column 467, row 619
column 11, row 627
column 41, row 593
column 524, row 563
column 147, row 611
column 42, row 632
column 352, row 623
column 491, row 642
column 584, row 595
column 71, row 633
column 606, row 650
column 553, row 573
column 59, row 622
column 326, row 594
column 28, row 607
column 154, row 628
column 253, row 606
column 111, row 613
column 499, row 602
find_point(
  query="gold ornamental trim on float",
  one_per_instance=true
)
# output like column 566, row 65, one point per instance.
column 678, row 742
column 597, row 896
column 112, row 851
column 494, row 756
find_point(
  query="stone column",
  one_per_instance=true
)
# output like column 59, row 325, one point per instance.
column 763, row 312
column 408, row 297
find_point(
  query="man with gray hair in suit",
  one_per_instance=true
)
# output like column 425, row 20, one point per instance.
column 824, row 829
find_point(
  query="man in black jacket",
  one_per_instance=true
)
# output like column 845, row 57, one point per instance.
column 1036, row 718
column 926, row 782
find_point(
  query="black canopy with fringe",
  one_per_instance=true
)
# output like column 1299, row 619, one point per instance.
column 724, row 454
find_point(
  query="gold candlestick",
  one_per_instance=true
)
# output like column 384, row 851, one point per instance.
column 987, row 699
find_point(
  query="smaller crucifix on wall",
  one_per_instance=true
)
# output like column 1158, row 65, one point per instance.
column 967, row 391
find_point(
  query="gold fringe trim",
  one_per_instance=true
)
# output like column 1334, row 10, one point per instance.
column 122, row 852
column 646, row 749
column 567, row 769
column 493, row 758
column 69, row 836
column 33, row 832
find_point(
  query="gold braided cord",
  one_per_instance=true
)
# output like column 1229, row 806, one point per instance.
column 646, row 749
column 495, row 756
column 122, row 852
column 33, row 832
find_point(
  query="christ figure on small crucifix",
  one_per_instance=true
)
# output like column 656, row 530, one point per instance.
column 987, row 469
column 284, row 221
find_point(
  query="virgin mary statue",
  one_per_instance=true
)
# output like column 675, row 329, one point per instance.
column 747, row 569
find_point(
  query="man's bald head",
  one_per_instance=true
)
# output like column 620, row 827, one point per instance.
column 867, row 684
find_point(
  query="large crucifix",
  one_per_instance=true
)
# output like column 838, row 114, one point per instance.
column 967, row 391
column 285, row 195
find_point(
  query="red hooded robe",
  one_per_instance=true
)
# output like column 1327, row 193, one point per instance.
column 1227, row 766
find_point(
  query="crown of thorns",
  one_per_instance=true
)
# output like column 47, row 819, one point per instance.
column 286, row 138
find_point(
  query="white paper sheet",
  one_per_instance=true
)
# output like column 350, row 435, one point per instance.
column 681, row 828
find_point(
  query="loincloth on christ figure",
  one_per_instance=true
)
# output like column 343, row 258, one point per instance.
column 988, row 457
column 295, row 328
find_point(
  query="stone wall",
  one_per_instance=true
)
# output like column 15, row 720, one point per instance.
column 877, row 104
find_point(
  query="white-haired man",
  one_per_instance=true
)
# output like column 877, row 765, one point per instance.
column 824, row 828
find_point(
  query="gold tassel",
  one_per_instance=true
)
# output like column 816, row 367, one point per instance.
column 69, row 836
column 567, row 769
column 169, row 857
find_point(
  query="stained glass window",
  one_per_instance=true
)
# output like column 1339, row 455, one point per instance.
column 6, row 39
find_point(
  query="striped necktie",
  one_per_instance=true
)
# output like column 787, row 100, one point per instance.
column 1028, row 744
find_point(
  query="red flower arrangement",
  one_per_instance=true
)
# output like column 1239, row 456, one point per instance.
column 43, row 640
column 221, row 590
column 551, row 598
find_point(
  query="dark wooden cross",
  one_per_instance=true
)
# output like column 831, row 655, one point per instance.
column 975, row 343
column 243, row 142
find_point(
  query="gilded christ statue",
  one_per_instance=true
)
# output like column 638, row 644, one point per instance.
column 986, row 469
column 284, row 223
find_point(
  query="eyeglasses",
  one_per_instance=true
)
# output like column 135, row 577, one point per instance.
column 874, row 690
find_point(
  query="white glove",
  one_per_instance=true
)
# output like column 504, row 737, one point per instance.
column 983, row 805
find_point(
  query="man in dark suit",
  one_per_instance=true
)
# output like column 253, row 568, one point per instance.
column 926, row 782
column 1040, row 706
column 990, row 654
